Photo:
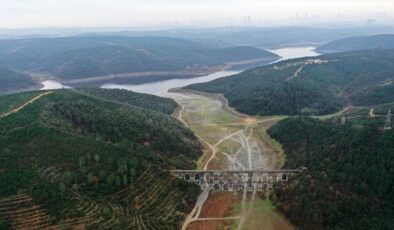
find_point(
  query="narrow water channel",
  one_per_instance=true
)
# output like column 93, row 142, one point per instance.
column 232, row 141
column 160, row 88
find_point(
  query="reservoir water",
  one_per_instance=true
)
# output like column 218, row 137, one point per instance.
column 160, row 88
column 51, row 84
column 295, row 52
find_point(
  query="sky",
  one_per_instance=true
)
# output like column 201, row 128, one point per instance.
column 140, row 13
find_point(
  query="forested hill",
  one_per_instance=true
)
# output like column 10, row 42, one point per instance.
column 265, row 37
column 358, row 43
column 84, row 57
column 148, row 101
column 349, row 183
column 319, row 85
column 11, row 80
column 70, row 159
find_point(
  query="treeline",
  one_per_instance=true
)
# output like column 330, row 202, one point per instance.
column 89, row 56
column 11, row 80
column 159, row 104
column 310, row 86
column 12, row 101
column 358, row 43
column 349, row 182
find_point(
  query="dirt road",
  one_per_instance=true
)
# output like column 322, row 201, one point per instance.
column 233, row 141
column 26, row 104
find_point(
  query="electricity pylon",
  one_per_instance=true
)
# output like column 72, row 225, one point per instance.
column 387, row 125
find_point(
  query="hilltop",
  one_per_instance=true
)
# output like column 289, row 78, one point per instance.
column 92, row 158
column 384, row 41
column 71, row 58
column 11, row 80
column 264, row 37
column 349, row 182
column 310, row 86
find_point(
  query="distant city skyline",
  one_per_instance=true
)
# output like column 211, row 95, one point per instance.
column 135, row 13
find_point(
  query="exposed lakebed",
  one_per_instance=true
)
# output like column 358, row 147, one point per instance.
column 158, row 86
column 231, row 141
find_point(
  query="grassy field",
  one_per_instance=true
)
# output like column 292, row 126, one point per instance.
column 263, row 215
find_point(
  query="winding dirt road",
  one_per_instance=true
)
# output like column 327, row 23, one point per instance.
column 26, row 104
column 229, row 138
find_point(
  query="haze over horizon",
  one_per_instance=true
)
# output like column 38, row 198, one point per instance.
column 172, row 13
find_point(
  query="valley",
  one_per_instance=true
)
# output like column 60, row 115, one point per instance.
column 160, row 87
column 311, row 85
column 92, row 60
column 101, row 157
column 85, row 117
column 197, row 115
column 231, row 141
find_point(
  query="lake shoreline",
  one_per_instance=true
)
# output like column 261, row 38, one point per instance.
column 158, row 83
column 138, row 78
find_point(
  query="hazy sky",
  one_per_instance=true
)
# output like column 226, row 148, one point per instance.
column 129, row 13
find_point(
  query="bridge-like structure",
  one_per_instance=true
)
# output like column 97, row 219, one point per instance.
column 237, row 180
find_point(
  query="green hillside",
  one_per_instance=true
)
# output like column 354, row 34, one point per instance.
column 266, row 37
column 350, row 178
column 358, row 43
column 12, row 101
column 71, row 160
column 83, row 57
column 148, row 101
column 11, row 80
column 319, row 85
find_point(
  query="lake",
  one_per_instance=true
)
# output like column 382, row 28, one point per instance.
column 295, row 52
column 160, row 88
column 51, row 84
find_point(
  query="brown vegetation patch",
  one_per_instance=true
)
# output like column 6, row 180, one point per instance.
column 20, row 211
column 209, row 225
column 218, row 204
column 219, row 162
column 249, row 120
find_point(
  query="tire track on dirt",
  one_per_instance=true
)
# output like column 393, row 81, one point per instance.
column 26, row 104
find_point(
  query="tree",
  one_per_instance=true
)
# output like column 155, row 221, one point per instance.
column 102, row 174
column 88, row 156
column 122, row 167
column 90, row 178
column 125, row 180
column 97, row 158
column 82, row 161
column 75, row 187
column 62, row 187
column 4, row 225
column 67, row 177
column 132, row 174
column 110, row 179
column 118, row 181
